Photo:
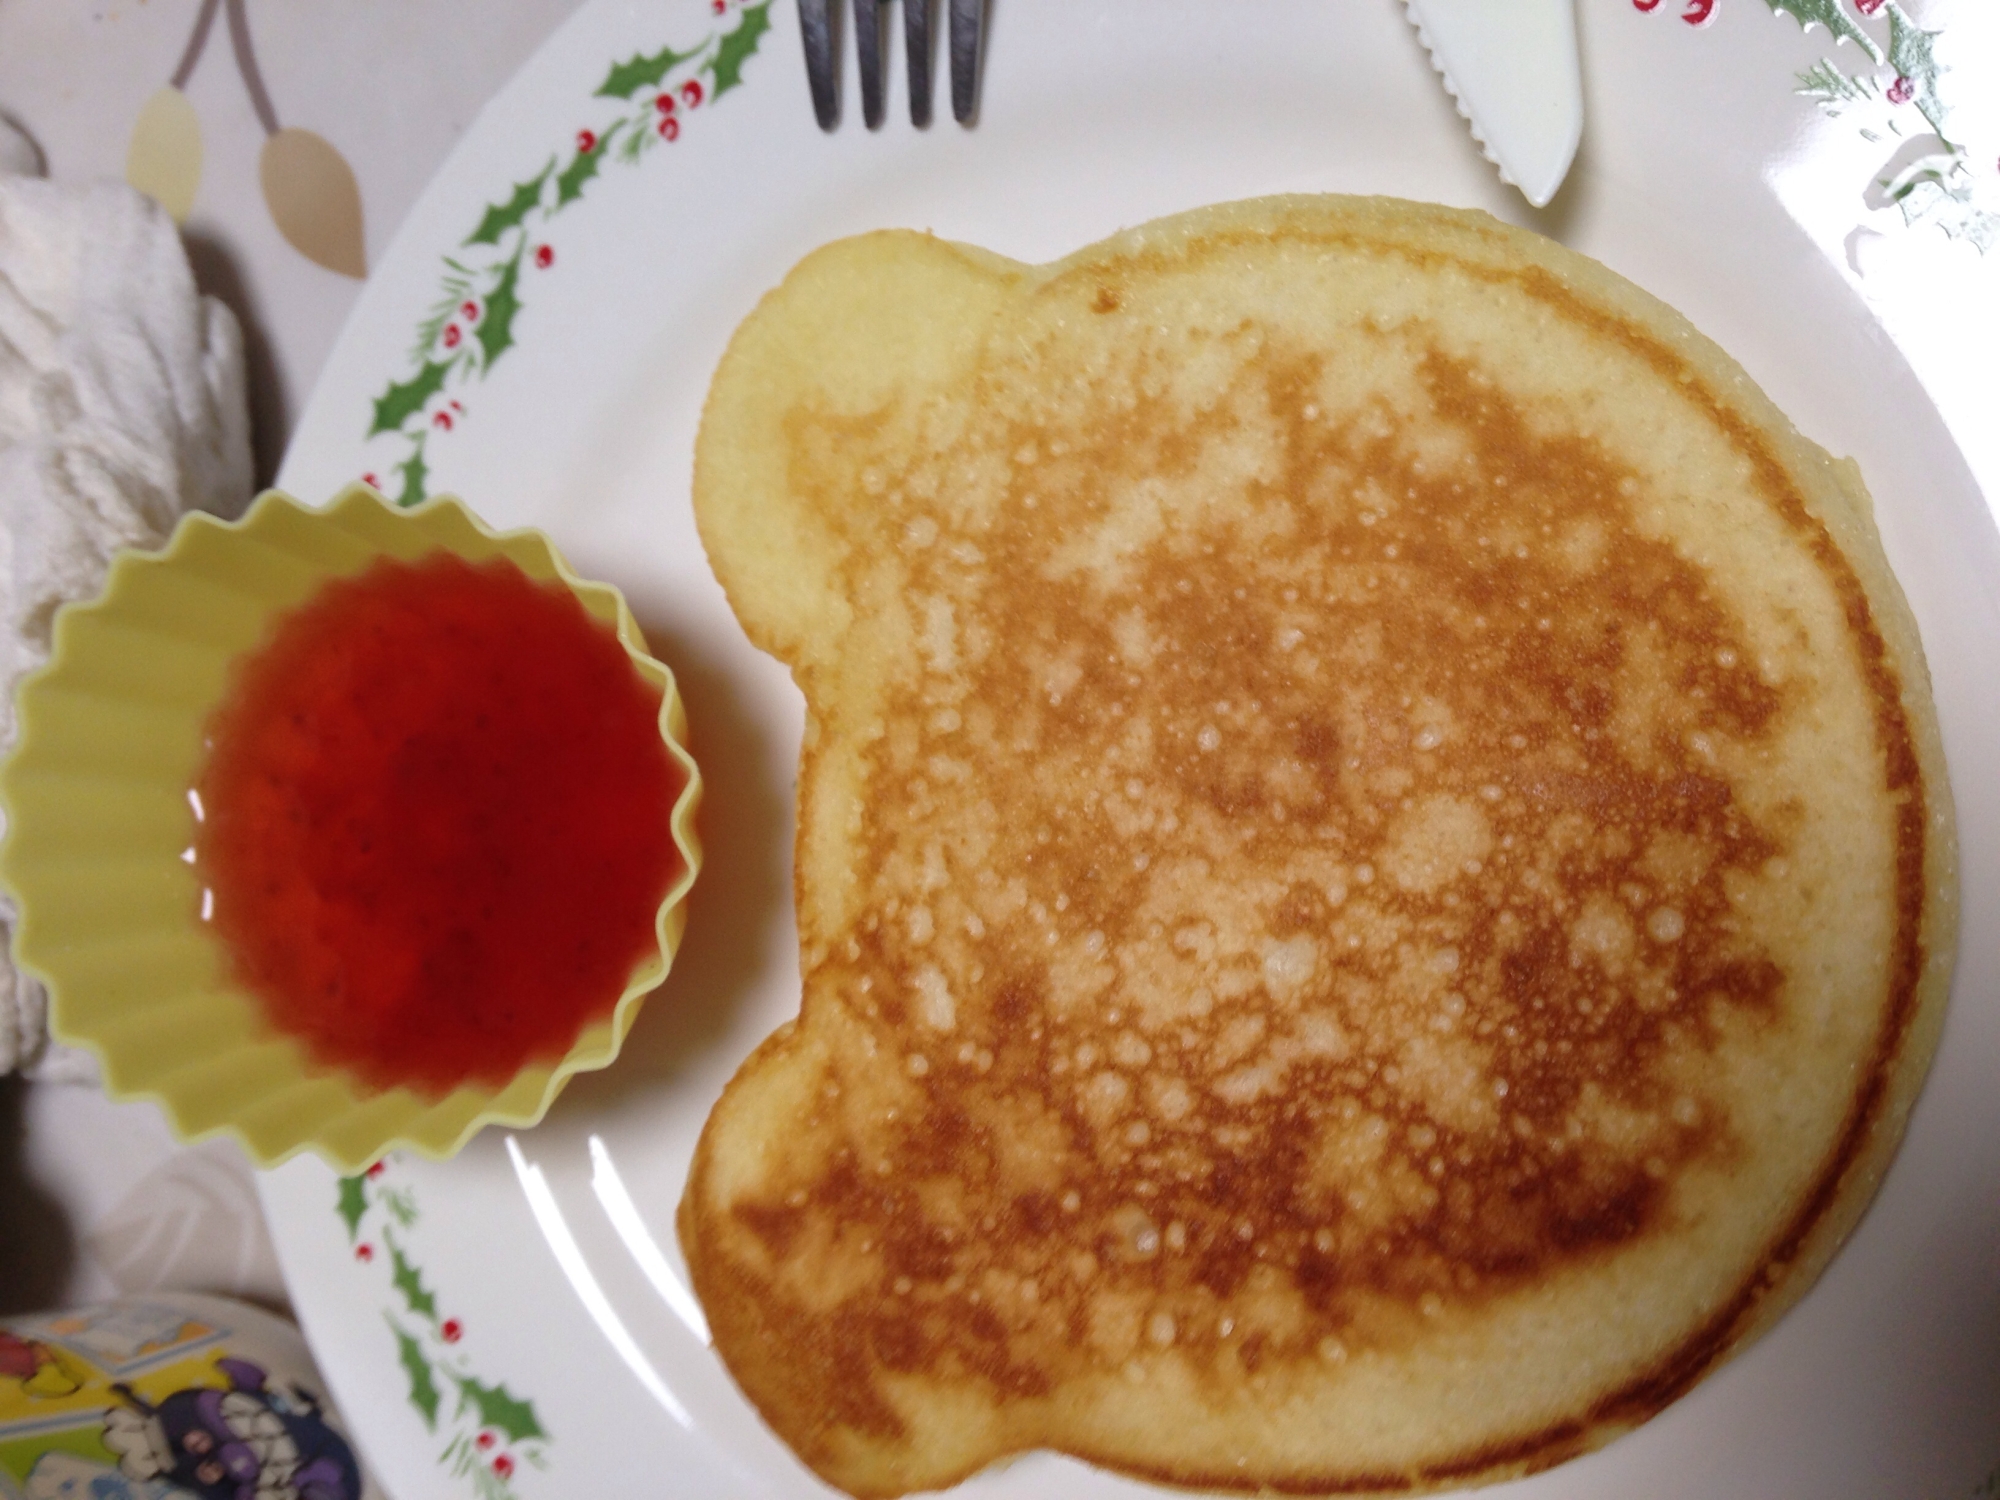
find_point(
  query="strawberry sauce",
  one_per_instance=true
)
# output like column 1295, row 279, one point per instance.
column 435, row 822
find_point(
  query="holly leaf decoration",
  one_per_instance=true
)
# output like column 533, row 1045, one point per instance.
column 410, row 1282
column 1834, row 90
column 642, row 72
column 738, row 46
column 496, row 328
column 401, row 1202
column 424, row 1394
column 501, row 217
column 1931, row 196
column 1911, row 55
column 396, row 405
column 498, row 1409
column 569, row 185
column 353, row 1203
column 1833, row 16
column 415, row 472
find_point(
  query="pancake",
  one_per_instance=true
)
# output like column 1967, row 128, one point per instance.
column 1374, row 869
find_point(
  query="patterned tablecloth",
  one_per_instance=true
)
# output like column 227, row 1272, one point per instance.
column 289, row 139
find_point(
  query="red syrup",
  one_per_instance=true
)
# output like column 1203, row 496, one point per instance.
column 435, row 822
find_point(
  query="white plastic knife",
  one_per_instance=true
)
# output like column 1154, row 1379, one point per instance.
column 1512, row 67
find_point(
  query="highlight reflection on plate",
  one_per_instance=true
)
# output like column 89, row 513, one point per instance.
column 519, row 1316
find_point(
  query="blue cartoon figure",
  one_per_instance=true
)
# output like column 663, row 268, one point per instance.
column 249, row 1442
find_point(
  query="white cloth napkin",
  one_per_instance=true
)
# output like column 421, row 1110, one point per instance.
column 122, row 404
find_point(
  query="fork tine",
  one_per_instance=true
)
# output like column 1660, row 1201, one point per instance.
column 822, row 60
column 917, row 43
column 868, row 43
column 968, row 21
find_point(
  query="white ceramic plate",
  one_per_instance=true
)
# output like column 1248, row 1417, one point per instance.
column 515, row 1321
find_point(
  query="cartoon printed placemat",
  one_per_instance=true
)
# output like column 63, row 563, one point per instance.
column 160, row 1399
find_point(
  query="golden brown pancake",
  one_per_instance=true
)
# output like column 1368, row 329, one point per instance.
column 1374, row 870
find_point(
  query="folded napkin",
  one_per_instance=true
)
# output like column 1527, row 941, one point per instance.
column 122, row 405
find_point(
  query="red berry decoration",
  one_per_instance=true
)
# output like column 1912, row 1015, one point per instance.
column 586, row 142
column 452, row 1331
column 1902, row 91
column 469, row 311
column 485, row 1440
column 381, row 1166
column 545, row 256
column 670, row 129
column 1867, row 7
column 1698, row 11
column 718, row 6
column 503, row 1465
column 1645, row 4
column 364, row 1253
column 691, row 92
column 373, row 483
column 451, row 336
column 442, row 420
column 664, row 104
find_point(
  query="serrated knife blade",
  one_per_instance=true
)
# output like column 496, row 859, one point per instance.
column 1512, row 68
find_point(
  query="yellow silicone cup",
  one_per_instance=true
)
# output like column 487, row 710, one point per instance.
column 99, row 820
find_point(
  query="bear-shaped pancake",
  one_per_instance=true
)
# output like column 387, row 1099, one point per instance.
column 1374, row 871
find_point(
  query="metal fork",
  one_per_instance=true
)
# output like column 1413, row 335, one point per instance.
column 818, row 20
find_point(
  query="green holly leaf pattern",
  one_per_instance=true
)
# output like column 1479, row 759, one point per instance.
column 1931, row 197
column 488, row 331
column 501, row 217
column 569, row 185
column 402, row 1203
column 1911, row 55
column 1834, row 90
column 424, row 1394
column 496, row 329
column 1833, row 16
column 396, row 405
column 497, row 1409
column 642, row 72
column 415, row 473
column 410, row 1282
column 738, row 46
column 353, row 1203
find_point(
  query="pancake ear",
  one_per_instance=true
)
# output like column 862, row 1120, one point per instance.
column 859, row 328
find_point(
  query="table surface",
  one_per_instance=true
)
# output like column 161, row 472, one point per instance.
column 99, row 1200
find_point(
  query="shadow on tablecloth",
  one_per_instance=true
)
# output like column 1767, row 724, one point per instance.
column 37, row 1241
